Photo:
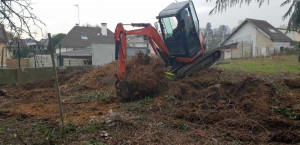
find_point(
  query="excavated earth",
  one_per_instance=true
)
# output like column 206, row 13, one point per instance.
column 212, row 106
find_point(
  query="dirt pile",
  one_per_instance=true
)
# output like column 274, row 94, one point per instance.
column 145, row 76
column 211, row 107
column 244, row 109
column 293, row 83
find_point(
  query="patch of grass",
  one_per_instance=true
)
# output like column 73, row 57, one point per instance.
column 269, row 65
column 146, row 101
column 70, row 127
column 93, row 126
column 287, row 112
column 169, row 98
column 49, row 134
column 92, row 142
column 93, row 96
column 276, row 89
column 181, row 126
column 138, row 107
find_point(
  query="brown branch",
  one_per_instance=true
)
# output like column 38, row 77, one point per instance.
column 25, row 16
column 18, row 135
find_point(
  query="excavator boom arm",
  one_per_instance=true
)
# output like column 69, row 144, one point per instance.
column 149, row 31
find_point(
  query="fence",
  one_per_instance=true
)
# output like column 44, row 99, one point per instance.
column 239, row 50
column 11, row 77
column 15, row 63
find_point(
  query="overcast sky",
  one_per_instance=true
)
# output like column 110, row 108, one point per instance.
column 61, row 15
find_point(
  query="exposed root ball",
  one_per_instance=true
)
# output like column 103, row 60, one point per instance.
column 145, row 76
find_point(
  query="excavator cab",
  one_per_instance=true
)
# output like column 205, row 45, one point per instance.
column 180, row 29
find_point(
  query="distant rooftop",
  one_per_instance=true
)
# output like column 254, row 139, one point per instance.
column 82, row 37
column 266, row 28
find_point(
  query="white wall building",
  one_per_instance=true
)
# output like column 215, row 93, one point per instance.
column 265, row 38
column 103, row 54
column 294, row 35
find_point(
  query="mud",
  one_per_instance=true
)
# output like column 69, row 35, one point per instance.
column 210, row 107
column 292, row 83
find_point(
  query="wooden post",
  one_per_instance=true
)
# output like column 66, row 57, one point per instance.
column 231, row 53
column 242, row 49
column 252, row 49
column 19, row 57
column 56, row 82
column 2, row 55
column 60, row 59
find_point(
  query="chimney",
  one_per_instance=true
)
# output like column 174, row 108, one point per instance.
column 104, row 29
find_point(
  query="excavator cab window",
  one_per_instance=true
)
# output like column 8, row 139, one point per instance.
column 181, row 31
column 172, row 35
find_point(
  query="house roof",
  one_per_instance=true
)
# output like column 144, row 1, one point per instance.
column 82, row 37
column 267, row 29
column 44, row 42
column 29, row 41
column 14, row 42
column 3, row 37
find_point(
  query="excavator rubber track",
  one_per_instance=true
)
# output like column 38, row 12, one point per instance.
column 207, row 59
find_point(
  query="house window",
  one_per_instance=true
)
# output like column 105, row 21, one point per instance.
column 84, row 37
column 281, row 49
column 272, row 30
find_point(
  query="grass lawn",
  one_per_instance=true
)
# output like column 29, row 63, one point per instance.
column 270, row 65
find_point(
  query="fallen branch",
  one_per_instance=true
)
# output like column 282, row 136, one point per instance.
column 19, row 137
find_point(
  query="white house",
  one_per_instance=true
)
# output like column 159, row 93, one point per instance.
column 78, row 47
column 94, row 46
column 265, row 38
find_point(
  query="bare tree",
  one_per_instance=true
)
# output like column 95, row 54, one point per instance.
column 18, row 17
column 293, row 11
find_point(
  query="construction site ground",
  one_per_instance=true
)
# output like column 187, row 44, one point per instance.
column 214, row 106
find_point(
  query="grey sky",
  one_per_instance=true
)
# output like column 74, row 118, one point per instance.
column 61, row 15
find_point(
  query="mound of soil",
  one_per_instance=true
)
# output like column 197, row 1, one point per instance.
column 212, row 106
column 145, row 76
column 292, row 83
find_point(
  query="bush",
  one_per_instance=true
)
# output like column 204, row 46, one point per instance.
column 291, row 51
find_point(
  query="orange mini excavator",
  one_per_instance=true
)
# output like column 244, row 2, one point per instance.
column 180, row 44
